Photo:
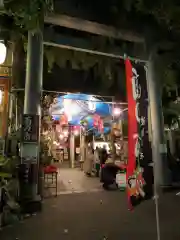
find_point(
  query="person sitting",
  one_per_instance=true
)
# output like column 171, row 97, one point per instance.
column 108, row 174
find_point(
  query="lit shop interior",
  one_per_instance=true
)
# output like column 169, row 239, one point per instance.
column 79, row 120
column 3, row 106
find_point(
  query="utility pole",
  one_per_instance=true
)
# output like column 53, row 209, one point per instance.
column 30, row 145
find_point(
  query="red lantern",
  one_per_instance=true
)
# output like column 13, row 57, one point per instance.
column 101, row 126
column 96, row 119
column 63, row 120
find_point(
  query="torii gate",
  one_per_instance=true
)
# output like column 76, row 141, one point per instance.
column 33, row 87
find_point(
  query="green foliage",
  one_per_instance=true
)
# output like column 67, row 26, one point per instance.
column 28, row 14
column 77, row 60
column 171, row 114
column 167, row 75
column 81, row 61
column 7, row 166
column 166, row 12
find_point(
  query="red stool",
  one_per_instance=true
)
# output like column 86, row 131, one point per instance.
column 50, row 178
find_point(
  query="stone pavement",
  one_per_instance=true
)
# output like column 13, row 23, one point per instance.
column 75, row 181
column 97, row 216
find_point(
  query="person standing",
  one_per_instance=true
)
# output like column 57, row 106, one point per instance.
column 97, row 161
column 88, row 163
column 103, row 155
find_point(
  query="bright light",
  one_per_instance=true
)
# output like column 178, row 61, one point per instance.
column 76, row 132
column 65, row 133
column 70, row 108
column 3, row 52
column 101, row 145
column 116, row 111
column 56, row 143
column 1, row 96
column 92, row 104
column 61, row 136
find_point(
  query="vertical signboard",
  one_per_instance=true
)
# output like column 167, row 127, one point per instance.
column 30, row 128
column 139, row 170
column 28, row 169
column 132, row 132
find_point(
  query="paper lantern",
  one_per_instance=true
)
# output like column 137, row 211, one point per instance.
column 3, row 52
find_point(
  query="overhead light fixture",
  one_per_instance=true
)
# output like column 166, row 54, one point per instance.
column 92, row 104
column 65, row 133
column 116, row 111
column 76, row 132
column 3, row 52
column 61, row 136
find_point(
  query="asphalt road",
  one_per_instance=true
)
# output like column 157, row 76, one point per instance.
column 98, row 216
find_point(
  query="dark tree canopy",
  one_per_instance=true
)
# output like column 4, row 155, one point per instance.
column 158, row 20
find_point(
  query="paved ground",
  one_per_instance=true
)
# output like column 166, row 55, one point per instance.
column 98, row 216
column 75, row 181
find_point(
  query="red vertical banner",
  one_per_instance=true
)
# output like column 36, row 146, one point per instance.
column 132, row 127
column 139, row 169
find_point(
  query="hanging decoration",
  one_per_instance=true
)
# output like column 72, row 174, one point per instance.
column 96, row 120
column 139, row 171
column 101, row 126
column 64, row 120
column 80, row 110
column 84, row 122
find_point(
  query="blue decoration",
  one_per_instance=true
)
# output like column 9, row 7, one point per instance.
column 81, row 107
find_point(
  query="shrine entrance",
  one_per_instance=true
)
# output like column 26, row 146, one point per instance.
column 79, row 121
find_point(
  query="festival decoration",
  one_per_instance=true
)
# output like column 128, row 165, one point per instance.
column 101, row 126
column 139, row 171
column 81, row 109
column 64, row 120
